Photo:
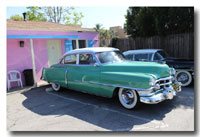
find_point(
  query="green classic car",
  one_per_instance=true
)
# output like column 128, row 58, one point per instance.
column 105, row 72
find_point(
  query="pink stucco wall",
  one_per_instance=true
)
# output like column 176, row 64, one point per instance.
column 19, row 58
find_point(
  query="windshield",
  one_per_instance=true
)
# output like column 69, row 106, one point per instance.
column 163, row 54
column 110, row 56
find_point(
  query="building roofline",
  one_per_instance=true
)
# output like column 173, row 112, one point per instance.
column 44, row 26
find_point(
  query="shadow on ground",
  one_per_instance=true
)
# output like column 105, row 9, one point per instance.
column 102, row 112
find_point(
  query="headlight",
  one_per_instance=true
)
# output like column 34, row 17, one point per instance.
column 157, row 87
column 152, row 81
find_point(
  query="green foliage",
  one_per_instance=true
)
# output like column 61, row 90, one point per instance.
column 35, row 14
column 74, row 19
column 98, row 27
column 66, row 15
column 130, row 26
column 17, row 17
column 149, row 21
column 61, row 15
column 103, row 33
column 144, row 21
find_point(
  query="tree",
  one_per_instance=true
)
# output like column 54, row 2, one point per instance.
column 149, row 21
column 130, row 25
column 103, row 33
column 144, row 21
column 161, row 20
column 66, row 15
column 17, row 17
column 181, row 19
column 106, row 34
column 35, row 14
column 76, row 19
column 61, row 15
column 98, row 27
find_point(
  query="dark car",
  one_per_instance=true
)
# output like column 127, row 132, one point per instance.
column 184, row 67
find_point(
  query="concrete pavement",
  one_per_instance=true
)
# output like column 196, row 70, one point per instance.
column 45, row 110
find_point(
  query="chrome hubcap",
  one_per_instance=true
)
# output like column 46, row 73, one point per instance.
column 127, row 96
column 55, row 86
column 183, row 78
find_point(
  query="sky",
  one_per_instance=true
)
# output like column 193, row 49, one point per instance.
column 107, row 16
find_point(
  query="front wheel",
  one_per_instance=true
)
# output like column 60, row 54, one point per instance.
column 184, row 77
column 128, row 98
column 56, row 87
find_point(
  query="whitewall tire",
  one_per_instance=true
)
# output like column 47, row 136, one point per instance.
column 184, row 77
column 128, row 98
column 55, row 87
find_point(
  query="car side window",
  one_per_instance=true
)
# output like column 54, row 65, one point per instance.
column 86, row 59
column 129, row 57
column 141, row 57
column 69, row 59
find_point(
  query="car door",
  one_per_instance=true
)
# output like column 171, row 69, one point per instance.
column 62, row 69
column 86, row 74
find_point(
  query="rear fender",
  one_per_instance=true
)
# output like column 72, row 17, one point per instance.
column 55, row 75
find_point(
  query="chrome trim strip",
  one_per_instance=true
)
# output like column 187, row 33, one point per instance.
column 66, row 77
column 166, row 78
column 165, row 83
column 77, row 59
column 149, row 94
column 97, row 60
column 110, row 85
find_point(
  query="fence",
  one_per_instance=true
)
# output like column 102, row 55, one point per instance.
column 176, row 45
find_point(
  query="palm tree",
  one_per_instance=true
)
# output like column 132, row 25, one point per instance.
column 98, row 27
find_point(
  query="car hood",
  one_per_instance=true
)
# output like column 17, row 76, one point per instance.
column 157, row 70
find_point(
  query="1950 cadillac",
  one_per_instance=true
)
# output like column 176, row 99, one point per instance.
column 105, row 72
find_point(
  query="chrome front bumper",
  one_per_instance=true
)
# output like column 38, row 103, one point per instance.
column 159, row 96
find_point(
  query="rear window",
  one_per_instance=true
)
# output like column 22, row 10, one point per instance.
column 69, row 59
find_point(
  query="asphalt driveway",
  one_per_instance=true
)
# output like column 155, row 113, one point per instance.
column 40, row 110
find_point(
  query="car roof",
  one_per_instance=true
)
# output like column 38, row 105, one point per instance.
column 141, row 51
column 91, row 50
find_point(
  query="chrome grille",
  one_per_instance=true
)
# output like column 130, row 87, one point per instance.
column 164, row 82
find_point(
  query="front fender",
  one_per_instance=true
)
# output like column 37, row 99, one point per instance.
column 126, row 79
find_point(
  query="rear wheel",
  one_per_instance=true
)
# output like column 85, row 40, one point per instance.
column 56, row 87
column 184, row 77
column 128, row 98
